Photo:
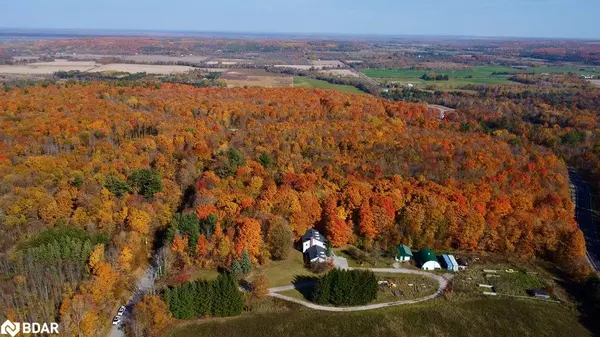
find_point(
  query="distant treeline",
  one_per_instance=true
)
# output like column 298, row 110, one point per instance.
column 357, row 82
column 434, row 77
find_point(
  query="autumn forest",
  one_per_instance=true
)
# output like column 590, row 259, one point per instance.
column 93, row 176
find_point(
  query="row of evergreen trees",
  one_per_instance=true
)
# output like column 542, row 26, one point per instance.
column 220, row 297
column 345, row 288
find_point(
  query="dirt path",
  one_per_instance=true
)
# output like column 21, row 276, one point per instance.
column 442, row 282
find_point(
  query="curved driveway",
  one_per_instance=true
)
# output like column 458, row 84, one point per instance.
column 442, row 282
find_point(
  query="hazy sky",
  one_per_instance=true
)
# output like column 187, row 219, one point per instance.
column 531, row 18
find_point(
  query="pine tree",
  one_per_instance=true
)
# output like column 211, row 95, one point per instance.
column 236, row 269
column 246, row 263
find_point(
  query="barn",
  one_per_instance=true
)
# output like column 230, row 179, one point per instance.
column 403, row 253
column 427, row 259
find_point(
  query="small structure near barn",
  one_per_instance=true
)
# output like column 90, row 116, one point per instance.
column 538, row 293
column 462, row 264
column 450, row 262
column 403, row 253
column 427, row 259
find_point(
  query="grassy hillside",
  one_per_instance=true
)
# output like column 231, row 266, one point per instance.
column 478, row 317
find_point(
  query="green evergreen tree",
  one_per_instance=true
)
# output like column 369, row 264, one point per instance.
column 236, row 269
column 246, row 262
column 146, row 182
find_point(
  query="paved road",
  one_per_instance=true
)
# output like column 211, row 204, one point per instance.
column 580, row 193
column 144, row 284
column 274, row 292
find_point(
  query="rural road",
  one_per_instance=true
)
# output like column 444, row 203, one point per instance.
column 274, row 292
column 144, row 284
column 582, row 197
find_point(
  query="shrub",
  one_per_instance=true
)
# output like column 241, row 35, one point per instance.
column 319, row 267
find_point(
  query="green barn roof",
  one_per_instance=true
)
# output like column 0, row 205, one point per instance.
column 403, row 250
column 426, row 255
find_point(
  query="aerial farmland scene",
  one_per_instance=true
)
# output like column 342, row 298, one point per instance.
column 333, row 168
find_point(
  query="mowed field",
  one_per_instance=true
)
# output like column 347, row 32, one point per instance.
column 440, row 317
column 475, row 75
column 305, row 82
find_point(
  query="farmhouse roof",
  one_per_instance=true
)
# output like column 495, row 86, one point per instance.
column 312, row 234
column 403, row 250
column 426, row 255
column 315, row 252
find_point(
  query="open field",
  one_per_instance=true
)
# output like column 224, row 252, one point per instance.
column 305, row 82
column 255, row 78
column 477, row 317
column 595, row 82
column 282, row 273
column 165, row 58
column 48, row 68
column 475, row 75
column 142, row 68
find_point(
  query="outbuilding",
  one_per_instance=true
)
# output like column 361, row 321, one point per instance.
column 427, row 259
column 403, row 253
column 449, row 262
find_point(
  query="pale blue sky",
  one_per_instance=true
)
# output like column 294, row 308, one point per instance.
column 529, row 18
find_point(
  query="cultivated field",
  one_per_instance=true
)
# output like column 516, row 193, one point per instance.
column 48, row 68
column 141, row 68
column 254, row 78
column 165, row 58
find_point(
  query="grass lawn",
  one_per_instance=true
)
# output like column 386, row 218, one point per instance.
column 411, row 287
column 473, row 317
column 509, row 283
column 282, row 273
column 305, row 82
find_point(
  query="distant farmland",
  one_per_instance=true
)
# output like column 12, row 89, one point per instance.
column 47, row 68
column 305, row 82
column 475, row 75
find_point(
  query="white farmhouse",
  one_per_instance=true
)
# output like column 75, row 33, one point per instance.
column 313, row 246
column 312, row 238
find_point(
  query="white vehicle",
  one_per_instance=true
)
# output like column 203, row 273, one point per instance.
column 116, row 320
column 121, row 311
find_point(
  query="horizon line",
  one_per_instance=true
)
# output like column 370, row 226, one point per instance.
column 124, row 31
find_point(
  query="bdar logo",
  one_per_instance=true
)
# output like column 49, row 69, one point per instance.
column 10, row 328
